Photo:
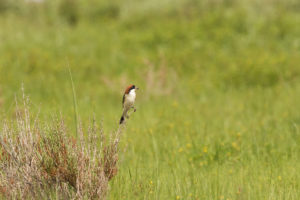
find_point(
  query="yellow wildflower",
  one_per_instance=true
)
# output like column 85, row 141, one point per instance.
column 150, row 131
column 235, row 145
column 175, row 104
column 171, row 125
column 180, row 150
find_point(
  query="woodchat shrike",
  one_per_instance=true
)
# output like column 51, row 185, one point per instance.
column 128, row 101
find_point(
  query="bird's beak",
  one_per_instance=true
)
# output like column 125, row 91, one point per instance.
column 137, row 88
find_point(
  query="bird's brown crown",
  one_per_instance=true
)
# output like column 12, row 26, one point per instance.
column 130, row 87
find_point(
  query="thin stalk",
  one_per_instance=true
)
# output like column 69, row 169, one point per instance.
column 74, row 99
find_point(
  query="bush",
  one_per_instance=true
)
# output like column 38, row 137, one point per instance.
column 69, row 11
column 39, row 161
column 10, row 5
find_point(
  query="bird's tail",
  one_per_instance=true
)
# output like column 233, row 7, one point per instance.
column 122, row 119
column 124, row 114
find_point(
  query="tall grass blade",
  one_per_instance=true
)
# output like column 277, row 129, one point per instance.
column 74, row 99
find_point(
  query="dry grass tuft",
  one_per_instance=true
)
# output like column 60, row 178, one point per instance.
column 160, row 80
column 42, row 160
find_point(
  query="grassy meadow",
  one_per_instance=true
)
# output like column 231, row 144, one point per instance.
column 218, row 112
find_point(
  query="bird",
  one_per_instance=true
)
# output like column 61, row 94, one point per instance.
column 128, row 101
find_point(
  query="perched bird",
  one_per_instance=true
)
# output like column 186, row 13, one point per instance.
column 128, row 101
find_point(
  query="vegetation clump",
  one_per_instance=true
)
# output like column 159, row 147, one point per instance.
column 40, row 160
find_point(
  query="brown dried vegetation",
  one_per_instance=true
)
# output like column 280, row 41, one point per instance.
column 42, row 161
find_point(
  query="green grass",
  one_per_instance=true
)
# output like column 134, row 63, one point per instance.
column 218, row 112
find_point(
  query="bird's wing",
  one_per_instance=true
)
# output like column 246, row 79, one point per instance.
column 123, row 100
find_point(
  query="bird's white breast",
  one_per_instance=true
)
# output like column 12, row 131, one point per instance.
column 131, row 96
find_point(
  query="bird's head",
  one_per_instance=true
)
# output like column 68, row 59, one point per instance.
column 131, row 88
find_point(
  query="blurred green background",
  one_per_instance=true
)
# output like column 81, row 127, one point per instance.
column 218, row 110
